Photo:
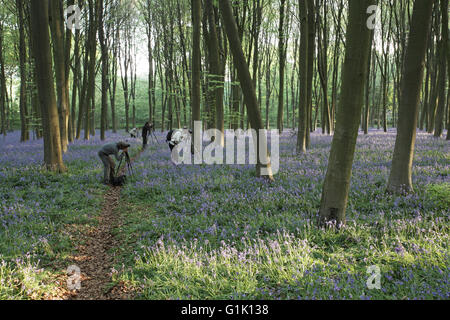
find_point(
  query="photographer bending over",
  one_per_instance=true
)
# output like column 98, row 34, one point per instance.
column 105, row 154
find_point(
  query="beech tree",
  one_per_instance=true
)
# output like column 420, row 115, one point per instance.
column 2, row 84
column 196, row 61
column 45, row 83
column 400, row 179
column 303, row 105
column 247, row 86
column 24, row 135
column 57, row 30
column 442, row 77
column 282, row 62
column 348, row 116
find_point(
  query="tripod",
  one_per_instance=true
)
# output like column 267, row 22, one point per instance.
column 153, row 135
column 128, row 161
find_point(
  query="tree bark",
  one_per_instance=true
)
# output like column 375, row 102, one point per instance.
column 60, row 70
column 400, row 179
column 303, row 100
column 24, row 136
column 2, row 85
column 46, row 90
column 442, row 78
column 92, row 49
column 214, row 71
column 282, row 62
column 248, row 89
column 196, row 60
column 337, row 180
column 105, row 69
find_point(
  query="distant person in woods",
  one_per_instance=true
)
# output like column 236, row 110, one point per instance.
column 174, row 137
column 146, row 130
column 105, row 154
column 133, row 133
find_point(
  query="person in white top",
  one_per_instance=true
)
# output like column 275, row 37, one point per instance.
column 134, row 133
column 176, row 136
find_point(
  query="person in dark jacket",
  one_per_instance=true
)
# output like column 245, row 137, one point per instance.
column 146, row 130
column 105, row 153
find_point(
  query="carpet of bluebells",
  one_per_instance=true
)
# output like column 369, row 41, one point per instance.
column 37, row 208
column 219, row 232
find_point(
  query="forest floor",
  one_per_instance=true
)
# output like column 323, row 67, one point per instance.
column 219, row 232
column 94, row 253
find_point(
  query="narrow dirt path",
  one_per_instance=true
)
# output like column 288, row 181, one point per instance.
column 93, row 254
column 93, row 257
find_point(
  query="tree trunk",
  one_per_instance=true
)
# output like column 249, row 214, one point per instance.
column 434, row 51
column 105, row 68
column 196, row 61
column 112, row 87
column 424, row 114
column 282, row 62
column 442, row 78
column 46, row 91
column 60, row 70
column 66, row 87
column 24, row 136
column 348, row 116
column 151, row 89
column 400, row 178
column 76, row 81
column 323, row 70
column 303, row 100
column 2, row 85
column 248, row 89
column 311, row 52
column 92, row 49
column 214, row 71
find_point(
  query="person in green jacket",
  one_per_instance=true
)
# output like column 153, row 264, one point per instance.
column 105, row 153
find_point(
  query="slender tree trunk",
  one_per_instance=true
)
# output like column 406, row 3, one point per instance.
column 92, row 49
column 60, row 70
column 151, row 89
column 263, row 161
column 311, row 52
column 303, row 103
column 442, row 78
column 434, row 73
column 196, row 61
column 76, row 80
column 282, row 62
column 24, row 136
column 323, row 70
column 105, row 68
column 66, row 87
column 2, row 85
column 424, row 114
column 214, row 63
column 400, row 178
column 112, row 87
column 366, row 113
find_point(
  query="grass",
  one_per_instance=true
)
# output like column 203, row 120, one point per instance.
column 38, row 212
column 217, row 232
